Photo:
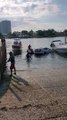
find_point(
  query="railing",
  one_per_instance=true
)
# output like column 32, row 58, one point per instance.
column 2, row 58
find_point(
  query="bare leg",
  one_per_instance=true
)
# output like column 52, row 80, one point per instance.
column 15, row 71
column 11, row 71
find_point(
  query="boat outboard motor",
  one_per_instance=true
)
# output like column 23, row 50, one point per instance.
column 52, row 45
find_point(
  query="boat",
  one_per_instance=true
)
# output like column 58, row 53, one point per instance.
column 41, row 51
column 59, row 47
column 17, row 46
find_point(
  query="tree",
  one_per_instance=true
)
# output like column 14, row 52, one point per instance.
column 24, row 33
column 40, row 33
column 31, row 33
column 65, row 32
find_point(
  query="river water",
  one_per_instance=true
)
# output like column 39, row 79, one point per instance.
column 50, row 61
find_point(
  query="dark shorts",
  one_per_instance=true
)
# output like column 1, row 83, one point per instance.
column 12, row 66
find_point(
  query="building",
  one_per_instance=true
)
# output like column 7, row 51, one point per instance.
column 5, row 27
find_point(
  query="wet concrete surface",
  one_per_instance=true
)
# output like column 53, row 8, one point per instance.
column 35, row 95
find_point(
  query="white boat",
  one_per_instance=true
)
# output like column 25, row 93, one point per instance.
column 59, row 47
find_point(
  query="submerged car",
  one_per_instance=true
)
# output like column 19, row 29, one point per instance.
column 41, row 51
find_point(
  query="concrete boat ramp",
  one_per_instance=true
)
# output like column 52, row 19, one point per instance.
column 34, row 95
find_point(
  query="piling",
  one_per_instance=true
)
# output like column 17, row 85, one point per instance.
column 2, row 58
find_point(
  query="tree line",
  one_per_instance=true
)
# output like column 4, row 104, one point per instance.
column 37, row 34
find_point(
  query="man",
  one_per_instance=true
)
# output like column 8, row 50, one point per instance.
column 30, row 50
column 12, row 60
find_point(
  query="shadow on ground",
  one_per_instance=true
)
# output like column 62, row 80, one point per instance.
column 8, row 81
column 19, row 79
column 4, row 85
column 15, row 86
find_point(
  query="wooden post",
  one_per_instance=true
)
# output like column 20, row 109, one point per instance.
column 3, row 58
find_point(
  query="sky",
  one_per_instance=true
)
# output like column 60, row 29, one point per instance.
column 35, row 14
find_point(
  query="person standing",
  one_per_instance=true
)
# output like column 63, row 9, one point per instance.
column 12, row 60
column 30, row 50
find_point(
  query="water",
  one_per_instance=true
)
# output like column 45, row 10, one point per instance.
column 50, row 61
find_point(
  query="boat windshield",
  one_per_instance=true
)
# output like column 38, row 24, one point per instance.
column 57, row 41
column 15, row 42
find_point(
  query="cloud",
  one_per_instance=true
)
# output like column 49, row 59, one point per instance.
column 21, row 8
column 40, row 26
column 26, row 13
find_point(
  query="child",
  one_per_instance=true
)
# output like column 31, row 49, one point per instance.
column 12, row 60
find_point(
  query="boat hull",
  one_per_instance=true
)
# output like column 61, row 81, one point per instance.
column 17, row 47
column 17, row 51
column 59, row 47
column 61, row 50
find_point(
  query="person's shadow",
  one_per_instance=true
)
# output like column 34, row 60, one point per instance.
column 4, row 84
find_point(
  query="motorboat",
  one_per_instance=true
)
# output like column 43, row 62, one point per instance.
column 41, row 51
column 59, row 47
column 17, row 46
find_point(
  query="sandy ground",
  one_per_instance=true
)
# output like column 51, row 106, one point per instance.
column 34, row 95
